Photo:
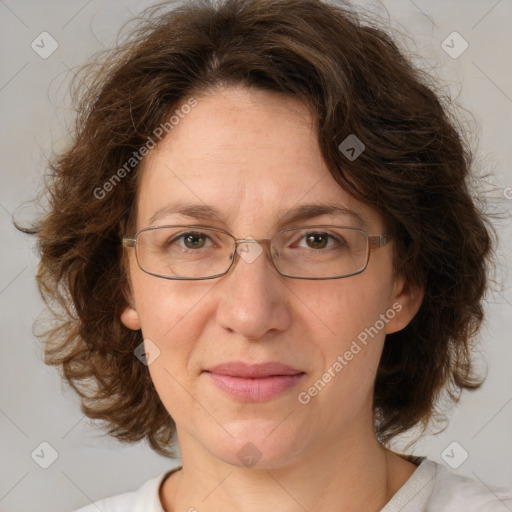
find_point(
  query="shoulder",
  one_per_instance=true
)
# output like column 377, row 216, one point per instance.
column 456, row 492
column 434, row 488
column 144, row 499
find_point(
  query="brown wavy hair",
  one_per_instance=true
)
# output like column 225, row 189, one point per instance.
column 415, row 171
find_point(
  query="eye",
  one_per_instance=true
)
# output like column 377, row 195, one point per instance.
column 192, row 240
column 320, row 240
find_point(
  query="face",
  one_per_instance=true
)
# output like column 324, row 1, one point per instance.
column 253, row 156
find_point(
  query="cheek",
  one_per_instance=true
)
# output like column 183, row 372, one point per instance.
column 355, row 313
column 173, row 317
column 169, row 316
column 350, row 306
column 162, row 304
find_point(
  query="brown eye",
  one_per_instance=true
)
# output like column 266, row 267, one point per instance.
column 317, row 240
column 194, row 240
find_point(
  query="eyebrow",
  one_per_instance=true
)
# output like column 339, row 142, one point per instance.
column 296, row 214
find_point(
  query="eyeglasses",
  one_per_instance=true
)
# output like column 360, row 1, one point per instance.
column 306, row 252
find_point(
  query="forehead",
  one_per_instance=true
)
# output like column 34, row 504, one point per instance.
column 251, row 155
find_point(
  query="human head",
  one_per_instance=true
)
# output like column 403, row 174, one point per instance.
column 413, row 172
column 227, row 155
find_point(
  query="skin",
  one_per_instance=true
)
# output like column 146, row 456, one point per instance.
column 254, row 155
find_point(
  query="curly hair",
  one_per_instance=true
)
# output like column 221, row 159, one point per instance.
column 415, row 171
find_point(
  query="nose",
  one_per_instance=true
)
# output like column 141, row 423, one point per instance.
column 254, row 298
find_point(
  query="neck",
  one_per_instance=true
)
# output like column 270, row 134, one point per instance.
column 350, row 477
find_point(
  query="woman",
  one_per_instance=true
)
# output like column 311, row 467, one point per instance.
column 263, row 242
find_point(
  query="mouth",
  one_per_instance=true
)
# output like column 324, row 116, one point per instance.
column 254, row 382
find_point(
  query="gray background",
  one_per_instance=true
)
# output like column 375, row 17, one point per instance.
column 34, row 106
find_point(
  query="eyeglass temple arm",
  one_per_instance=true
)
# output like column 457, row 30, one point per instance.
column 379, row 240
column 128, row 242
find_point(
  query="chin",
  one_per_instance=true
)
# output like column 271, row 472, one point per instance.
column 252, row 447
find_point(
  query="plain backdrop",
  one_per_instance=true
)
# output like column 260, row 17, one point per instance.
column 34, row 104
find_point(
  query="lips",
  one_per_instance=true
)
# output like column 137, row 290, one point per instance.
column 239, row 369
column 254, row 382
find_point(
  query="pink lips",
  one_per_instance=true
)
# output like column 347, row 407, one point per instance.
column 254, row 382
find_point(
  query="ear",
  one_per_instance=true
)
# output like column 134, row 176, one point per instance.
column 405, row 302
column 130, row 318
column 129, row 315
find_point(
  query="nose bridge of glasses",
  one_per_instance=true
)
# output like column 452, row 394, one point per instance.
column 261, row 241
column 249, row 253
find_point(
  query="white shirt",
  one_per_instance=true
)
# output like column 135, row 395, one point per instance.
column 431, row 488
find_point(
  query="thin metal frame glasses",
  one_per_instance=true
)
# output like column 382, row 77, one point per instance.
column 353, row 246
